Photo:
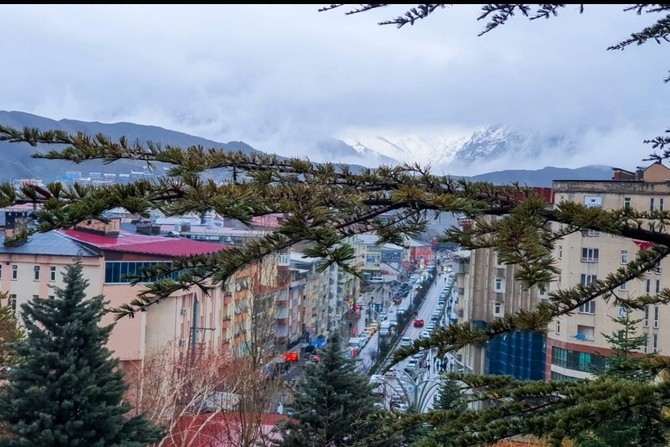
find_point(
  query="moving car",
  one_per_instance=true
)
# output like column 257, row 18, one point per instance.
column 418, row 322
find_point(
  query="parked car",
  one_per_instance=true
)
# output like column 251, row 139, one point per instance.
column 405, row 341
column 424, row 334
column 411, row 366
column 418, row 322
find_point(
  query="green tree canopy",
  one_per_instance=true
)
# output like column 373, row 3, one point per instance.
column 331, row 405
column 65, row 390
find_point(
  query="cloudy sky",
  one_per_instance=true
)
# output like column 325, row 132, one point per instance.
column 282, row 77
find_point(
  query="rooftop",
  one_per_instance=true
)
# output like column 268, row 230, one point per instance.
column 142, row 244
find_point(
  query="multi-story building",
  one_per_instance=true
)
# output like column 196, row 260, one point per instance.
column 378, row 262
column 190, row 319
column 576, row 343
column 486, row 289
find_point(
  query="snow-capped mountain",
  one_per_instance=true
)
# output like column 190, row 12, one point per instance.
column 463, row 149
column 493, row 142
column 436, row 150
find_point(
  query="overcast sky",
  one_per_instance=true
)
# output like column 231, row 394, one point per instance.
column 281, row 77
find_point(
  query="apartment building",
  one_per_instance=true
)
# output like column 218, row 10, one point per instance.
column 190, row 319
column 576, row 343
column 484, row 290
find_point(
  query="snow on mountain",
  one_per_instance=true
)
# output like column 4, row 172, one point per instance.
column 462, row 149
column 431, row 148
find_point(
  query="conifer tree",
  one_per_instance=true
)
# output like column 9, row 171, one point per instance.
column 450, row 395
column 66, row 389
column 330, row 407
column 625, row 363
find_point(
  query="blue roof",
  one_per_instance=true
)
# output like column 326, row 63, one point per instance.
column 49, row 243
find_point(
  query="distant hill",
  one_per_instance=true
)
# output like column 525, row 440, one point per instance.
column 16, row 158
column 543, row 177
column 17, row 162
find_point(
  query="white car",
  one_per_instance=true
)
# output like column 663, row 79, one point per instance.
column 405, row 341
column 376, row 379
column 424, row 334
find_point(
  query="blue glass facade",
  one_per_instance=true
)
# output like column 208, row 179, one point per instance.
column 520, row 354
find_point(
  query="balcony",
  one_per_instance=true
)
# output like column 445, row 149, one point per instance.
column 227, row 298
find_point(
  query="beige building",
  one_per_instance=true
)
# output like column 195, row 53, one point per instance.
column 190, row 319
column 485, row 290
column 576, row 343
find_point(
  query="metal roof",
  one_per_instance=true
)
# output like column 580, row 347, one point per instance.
column 49, row 243
column 127, row 242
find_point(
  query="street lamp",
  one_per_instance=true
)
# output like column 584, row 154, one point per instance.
column 419, row 390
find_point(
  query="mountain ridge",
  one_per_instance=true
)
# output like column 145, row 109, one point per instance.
column 17, row 156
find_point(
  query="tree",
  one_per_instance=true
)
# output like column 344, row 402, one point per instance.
column 10, row 333
column 65, row 388
column 450, row 395
column 325, row 203
column 329, row 407
column 628, row 428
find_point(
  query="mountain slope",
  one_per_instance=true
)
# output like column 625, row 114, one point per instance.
column 16, row 160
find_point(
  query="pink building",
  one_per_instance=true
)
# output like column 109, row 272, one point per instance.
column 189, row 318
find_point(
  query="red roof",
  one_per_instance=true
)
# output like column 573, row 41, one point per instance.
column 138, row 243
column 222, row 429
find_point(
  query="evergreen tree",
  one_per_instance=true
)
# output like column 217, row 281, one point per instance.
column 450, row 395
column 66, row 389
column 329, row 409
column 625, row 363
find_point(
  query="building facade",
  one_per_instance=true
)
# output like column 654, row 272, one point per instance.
column 576, row 343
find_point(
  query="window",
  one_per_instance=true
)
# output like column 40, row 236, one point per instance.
column 0, row 272
column 656, row 314
column 654, row 343
column 51, row 297
column 589, row 255
column 645, row 322
column 117, row 272
column 660, row 204
column 651, row 204
column 585, row 332
column 585, row 280
column 499, row 285
column 542, row 291
column 657, row 269
column 624, row 256
column 648, row 287
column 588, row 308
column 591, row 202
column 52, row 273
column 623, row 287
column 497, row 309
column 558, row 278
column 36, row 275
column 658, row 286
column 15, row 272
column 560, row 252
column 558, row 326
column 622, row 312
column 12, row 302
column 590, row 233
column 626, row 202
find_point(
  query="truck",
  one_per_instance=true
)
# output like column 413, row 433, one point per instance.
column 385, row 328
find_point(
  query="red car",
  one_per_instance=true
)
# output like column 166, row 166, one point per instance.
column 418, row 323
